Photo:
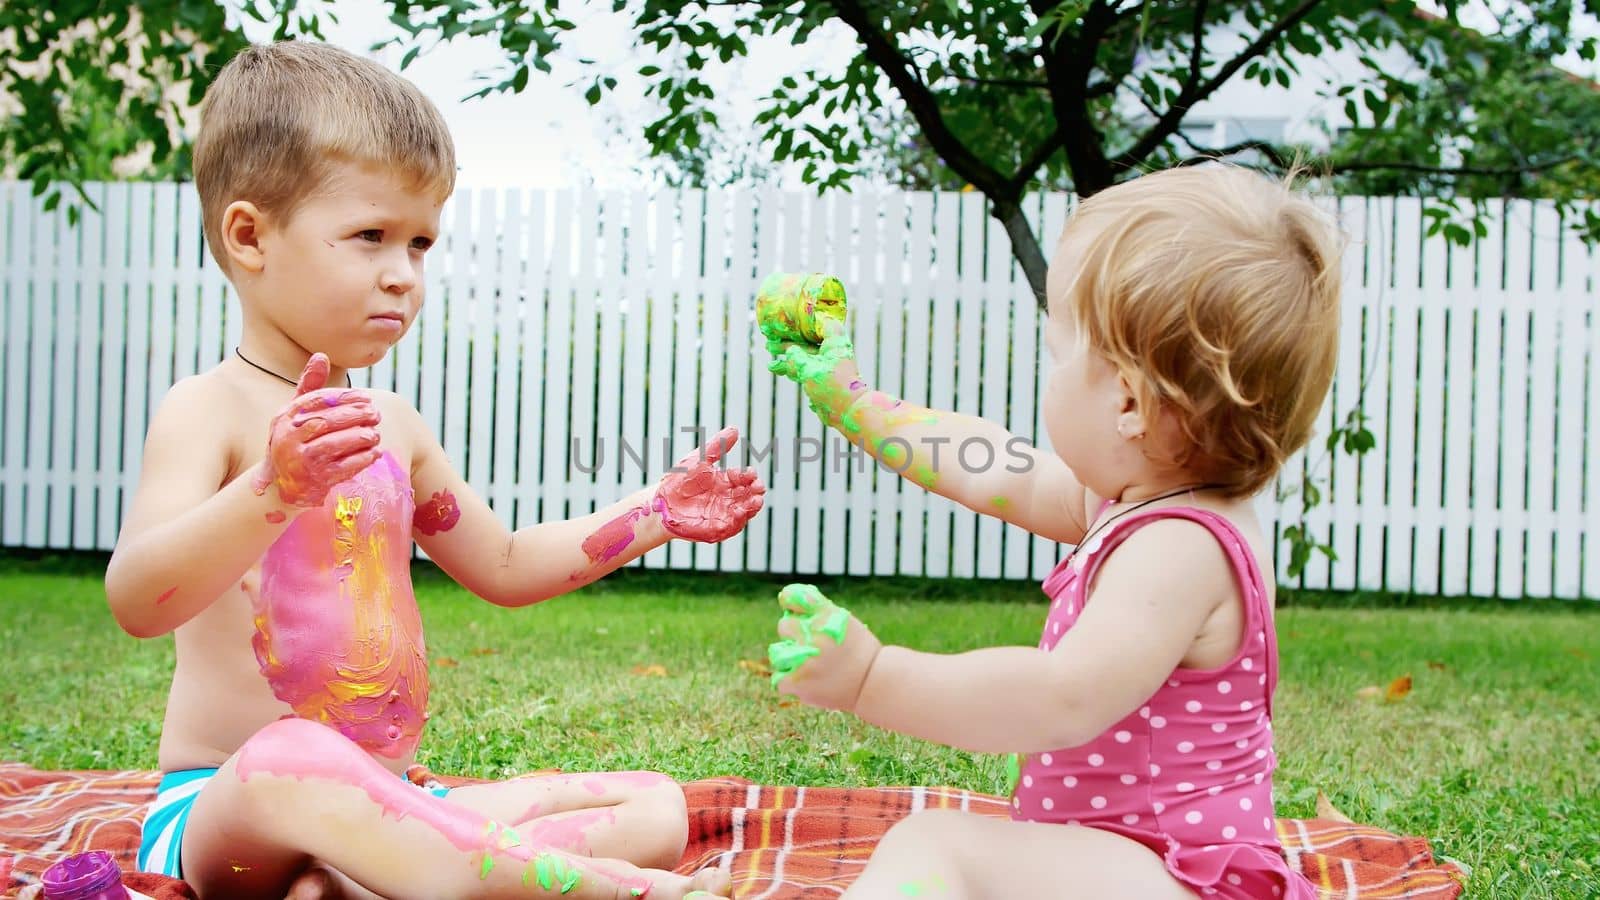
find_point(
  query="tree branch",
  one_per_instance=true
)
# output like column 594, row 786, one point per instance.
column 1193, row 92
column 1034, row 160
column 1207, row 154
column 1004, row 82
column 1196, row 43
column 920, row 101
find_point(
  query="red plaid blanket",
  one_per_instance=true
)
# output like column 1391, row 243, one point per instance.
column 778, row 842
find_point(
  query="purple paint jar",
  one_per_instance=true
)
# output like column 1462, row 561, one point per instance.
column 86, row 876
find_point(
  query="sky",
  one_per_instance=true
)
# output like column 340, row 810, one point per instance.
column 549, row 136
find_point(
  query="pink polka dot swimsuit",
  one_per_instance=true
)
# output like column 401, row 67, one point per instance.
column 1189, row 773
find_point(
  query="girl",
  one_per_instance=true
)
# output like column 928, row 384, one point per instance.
column 1193, row 319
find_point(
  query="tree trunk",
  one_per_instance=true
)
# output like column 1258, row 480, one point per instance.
column 1024, row 245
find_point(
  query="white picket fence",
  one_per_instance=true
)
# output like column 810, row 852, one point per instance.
column 561, row 320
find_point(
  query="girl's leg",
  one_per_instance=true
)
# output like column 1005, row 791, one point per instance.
column 950, row 855
column 298, row 792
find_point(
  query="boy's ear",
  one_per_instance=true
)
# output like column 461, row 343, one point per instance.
column 242, row 226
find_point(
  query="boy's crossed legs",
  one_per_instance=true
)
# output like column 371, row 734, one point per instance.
column 299, row 795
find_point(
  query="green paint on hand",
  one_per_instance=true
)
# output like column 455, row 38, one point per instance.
column 541, row 868
column 1000, row 502
column 488, row 866
column 811, row 612
column 787, row 656
column 792, row 306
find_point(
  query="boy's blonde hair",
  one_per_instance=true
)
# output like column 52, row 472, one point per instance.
column 279, row 117
column 1215, row 292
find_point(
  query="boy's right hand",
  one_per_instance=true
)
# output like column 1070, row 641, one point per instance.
column 323, row 437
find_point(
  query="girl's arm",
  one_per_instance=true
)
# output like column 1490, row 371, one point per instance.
column 972, row 461
column 1150, row 600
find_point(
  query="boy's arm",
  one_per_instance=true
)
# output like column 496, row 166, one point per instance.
column 184, row 542
column 1147, row 609
column 459, row 532
column 972, row 461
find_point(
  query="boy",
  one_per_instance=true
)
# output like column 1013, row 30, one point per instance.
column 271, row 529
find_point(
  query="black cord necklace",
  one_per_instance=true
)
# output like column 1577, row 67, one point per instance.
column 249, row 362
column 1142, row 503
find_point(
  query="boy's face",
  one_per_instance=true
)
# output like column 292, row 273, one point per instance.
column 343, row 274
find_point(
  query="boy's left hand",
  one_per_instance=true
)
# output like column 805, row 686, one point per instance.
column 699, row 502
column 826, row 652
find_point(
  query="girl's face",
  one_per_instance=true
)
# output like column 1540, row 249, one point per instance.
column 1089, row 412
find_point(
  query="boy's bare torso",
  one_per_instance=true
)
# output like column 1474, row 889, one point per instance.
column 316, row 638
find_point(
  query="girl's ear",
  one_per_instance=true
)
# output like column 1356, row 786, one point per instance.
column 242, row 226
column 1132, row 423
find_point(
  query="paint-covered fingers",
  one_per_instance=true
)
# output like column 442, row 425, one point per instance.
column 314, row 375
column 354, row 411
column 824, row 653
column 712, row 452
column 700, row 502
column 318, row 440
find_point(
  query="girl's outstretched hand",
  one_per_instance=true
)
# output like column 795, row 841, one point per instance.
column 699, row 502
column 825, row 654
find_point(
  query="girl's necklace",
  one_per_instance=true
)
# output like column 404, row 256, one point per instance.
column 1142, row 503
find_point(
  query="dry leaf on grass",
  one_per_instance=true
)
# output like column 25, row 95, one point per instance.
column 1437, row 666
column 445, row 662
column 1326, row 810
column 484, row 651
column 654, row 670
column 755, row 667
column 1398, row 688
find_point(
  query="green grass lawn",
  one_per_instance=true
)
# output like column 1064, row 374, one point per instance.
column 1494, row 755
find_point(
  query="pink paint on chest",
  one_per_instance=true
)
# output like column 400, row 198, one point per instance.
column 338, row 635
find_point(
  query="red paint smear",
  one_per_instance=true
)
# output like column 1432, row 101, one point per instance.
column 612, row 538
column 438, row 513
column 275, row 516
column 166, row 595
